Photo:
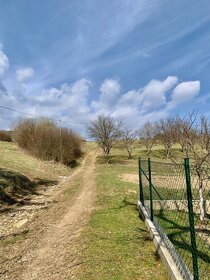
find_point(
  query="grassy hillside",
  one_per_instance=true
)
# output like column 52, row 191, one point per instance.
column 21, row 174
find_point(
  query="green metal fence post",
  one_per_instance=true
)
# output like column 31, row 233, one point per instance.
column 150, row 189
column 141, row 194
column 191, row 220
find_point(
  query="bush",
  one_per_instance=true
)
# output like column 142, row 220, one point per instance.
column 45, row 140
column 5, row 136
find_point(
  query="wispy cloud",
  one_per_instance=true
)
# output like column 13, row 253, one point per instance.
column 98, row 29
column 76, row 59
column 4, row 62
column 24, row 74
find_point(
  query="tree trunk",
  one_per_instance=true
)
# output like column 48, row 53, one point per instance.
column 129, row 153
column 201, row 202
column 168, row 152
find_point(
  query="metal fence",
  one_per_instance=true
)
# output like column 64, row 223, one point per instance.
column 177, row 200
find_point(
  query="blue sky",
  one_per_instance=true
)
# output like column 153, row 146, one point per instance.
column 134, row 60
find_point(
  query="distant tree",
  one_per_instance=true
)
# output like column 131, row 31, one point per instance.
column 147, row 135
column 167, row 134
column 198, row 139
column 185, row 132
column 104, row 130
column 194, row 137
column 128, row 137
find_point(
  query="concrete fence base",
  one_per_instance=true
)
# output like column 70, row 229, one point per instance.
column 160, row 246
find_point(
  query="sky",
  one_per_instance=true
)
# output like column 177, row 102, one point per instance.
column 134, row 60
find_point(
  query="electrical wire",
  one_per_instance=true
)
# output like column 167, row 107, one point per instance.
column 36, row 116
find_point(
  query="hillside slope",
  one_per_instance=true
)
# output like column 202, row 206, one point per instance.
column 21, row 174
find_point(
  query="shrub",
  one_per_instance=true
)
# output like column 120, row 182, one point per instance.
column 45, row 140
column 5, row 136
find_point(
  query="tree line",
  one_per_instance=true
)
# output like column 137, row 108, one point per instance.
column 191, row 132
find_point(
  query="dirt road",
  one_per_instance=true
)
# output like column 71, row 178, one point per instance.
column 50, row 249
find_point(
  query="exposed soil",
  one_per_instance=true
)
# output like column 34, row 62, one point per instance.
column 130, row 177
column 158, row 180
column 168, row 182
column 39, row 241
column 14, row 216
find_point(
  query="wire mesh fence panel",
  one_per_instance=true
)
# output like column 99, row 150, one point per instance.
column 171, row 214
column 200, row 181
column 145, row 183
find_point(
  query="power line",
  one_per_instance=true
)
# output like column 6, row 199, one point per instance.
column 36, row 116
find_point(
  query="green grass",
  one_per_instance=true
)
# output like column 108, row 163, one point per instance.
column 165, row 194
column 115, row 243
column 14, row 158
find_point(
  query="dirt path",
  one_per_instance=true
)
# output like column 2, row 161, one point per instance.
column 50, row 250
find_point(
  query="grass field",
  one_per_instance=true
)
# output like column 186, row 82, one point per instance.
column 115, row 243
column 115, row 232
column 14, row 158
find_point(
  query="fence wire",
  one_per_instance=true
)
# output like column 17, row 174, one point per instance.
column 171, row 213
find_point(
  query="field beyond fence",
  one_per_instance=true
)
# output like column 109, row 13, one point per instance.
column 177, row 199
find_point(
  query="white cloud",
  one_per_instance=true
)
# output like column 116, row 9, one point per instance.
column 71, row 102
column 24, row 74
column 110, row 87
column 154, row 93
column 68, row 103
column 110, row 94
column 185, row 92
column 151, row 102
column 150, row 97
column 4, row 62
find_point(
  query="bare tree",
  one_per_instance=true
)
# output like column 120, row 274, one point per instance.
column 194, row 137
column 148, row 135
column 167, row 134
column 105, row 130
column 200, row 153
column 205, row 136
column 128, row 137
column 185, row 132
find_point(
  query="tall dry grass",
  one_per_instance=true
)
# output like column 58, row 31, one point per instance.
column 45, row 140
